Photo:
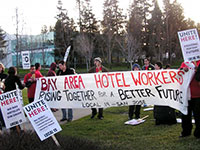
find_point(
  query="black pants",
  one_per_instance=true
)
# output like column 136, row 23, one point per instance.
column 2, row 123
column 136, row 112
column 193, row 106
column 94, row 112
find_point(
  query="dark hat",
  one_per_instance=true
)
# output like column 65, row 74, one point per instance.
column 136, row 65
column 98, row 59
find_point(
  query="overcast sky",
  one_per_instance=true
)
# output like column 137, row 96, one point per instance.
column 33, row 14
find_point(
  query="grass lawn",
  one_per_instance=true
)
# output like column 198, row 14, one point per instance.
column 111, row 131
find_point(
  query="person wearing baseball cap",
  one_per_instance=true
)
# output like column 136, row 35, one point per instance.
column 98, row 67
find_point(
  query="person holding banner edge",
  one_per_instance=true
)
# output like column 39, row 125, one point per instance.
column 96, row 69
column 193, row 103
column 63, row 70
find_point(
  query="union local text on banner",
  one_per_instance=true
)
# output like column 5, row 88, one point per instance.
column 11, row 107
column 25, row 60
column 95, row 90
column 42, row 119
column 190, row 44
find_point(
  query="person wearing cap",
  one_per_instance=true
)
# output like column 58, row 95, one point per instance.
column 134, row 109
column 98, row 67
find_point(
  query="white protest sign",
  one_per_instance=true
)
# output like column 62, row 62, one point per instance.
column 134, row 122
column 67, row 53
column 11, row 107
column 42, row 119
column 190, row 44
column 101, row 90
column 25, row 60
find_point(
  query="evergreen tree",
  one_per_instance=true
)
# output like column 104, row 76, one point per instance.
column 174, row 22
column 156, row 29
column 64, row 32
column 112, row 25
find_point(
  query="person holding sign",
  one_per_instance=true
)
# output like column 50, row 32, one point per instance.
column 136, row 67
column 10, row 85
column 97, row 68
column 30, row 83
column 193, row 103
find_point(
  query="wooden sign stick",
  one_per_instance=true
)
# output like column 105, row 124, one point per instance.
column 143, row 118
column 55, row 140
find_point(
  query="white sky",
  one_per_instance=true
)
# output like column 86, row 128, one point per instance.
column 33, row 14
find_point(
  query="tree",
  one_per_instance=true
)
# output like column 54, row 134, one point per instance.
column 64, row 32
column 112, row 25
column 156, row 28
column 85, row 47
column 174, row 21
column 2, row 43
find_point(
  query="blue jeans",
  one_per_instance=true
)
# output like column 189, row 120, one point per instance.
column 70, row 113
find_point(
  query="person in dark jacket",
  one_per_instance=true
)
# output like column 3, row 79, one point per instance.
column 147, row 65
column 134, row 109
column 12, row 80
column 64, row 70
column 10, row 84
column 96, row 69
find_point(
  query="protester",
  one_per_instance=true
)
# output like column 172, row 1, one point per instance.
column 163, row 114
column 64, row 70
column 136, row 67
column 147, row 65
column 3, row 76
column 168, row 66
column 52, row 72
column 96, row 69
column 30, row 83
column 10, row 84
column 37, row 71
column 193, row 103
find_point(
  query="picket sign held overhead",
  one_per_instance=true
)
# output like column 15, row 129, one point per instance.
column 115, row 89
column 42, row 119
column 67, row 53
column 190, row 44
column 11, row 107
column 25, row 60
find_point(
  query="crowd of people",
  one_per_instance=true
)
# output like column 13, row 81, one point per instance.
column 162, row 114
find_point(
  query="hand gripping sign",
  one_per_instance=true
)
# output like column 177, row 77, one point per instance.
column 42, row 119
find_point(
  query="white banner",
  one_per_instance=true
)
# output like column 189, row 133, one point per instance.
column 190, row 44
column 25, row 60
column 42, row 119
column 95, row 90
column 11, row 107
